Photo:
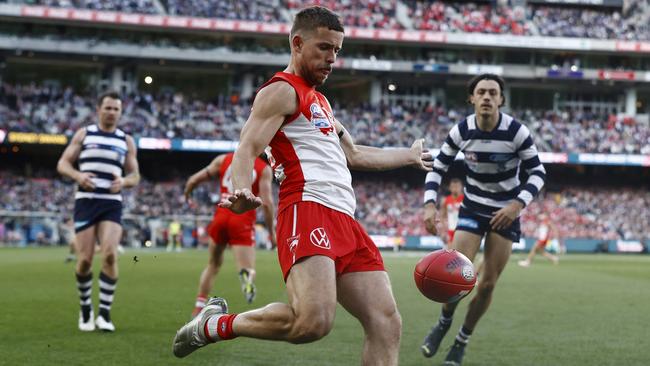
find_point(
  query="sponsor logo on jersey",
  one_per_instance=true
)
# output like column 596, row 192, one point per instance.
column 292, row 242
column 469, row 223
column 498, row 158
column 320, row 120
column 319, row 238
column 470, row 156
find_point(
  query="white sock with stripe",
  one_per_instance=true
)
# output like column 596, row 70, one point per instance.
column 107, row 287
column 85, row 287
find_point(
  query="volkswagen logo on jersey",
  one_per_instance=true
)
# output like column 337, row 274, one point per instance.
column 319, row 238
column 319, row 119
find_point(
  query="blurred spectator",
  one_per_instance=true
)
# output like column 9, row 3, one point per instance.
column 55, row 110
column 256, row 10
column 495, row 17
column 590, row 23
column 380, row 14
column 383, row 207
column 468, row 17
column 127, row 6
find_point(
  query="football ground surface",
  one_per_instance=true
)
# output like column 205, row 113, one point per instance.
column 589, row 310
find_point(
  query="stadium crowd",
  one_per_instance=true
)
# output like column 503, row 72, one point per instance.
column 60, row 110
column 468, row 17
column 380, row 14
column 588, row 23
column 383, row 207
column 256, row 10
column 127, row 6
column 502, row 17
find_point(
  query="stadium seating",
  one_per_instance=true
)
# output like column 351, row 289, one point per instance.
column 444, row 16
column 50, row 109
column 383, row 207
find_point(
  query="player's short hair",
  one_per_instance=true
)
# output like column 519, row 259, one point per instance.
column 315, row 17
column 475, row 80
column 108, row 94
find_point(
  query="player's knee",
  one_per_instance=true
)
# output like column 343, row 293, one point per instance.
column 486, row 287
column 84, row 265
column 110, row 258
column 387, row 324
column 312, row 328
column 393, row 325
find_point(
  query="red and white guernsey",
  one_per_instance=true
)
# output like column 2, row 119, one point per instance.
column 306, row 153
column 453, row 208
column 225, row 183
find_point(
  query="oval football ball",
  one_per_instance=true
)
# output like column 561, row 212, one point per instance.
column 445, row 276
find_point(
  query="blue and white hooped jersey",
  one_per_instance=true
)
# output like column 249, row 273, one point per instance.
column 103, row 154
column 492, row 161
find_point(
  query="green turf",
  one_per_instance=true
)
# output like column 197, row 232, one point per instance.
column 589, row 310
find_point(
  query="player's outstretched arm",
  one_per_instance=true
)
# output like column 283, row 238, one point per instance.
column 431, row 220
column 371, row 158
column 131, row 168
column 205, row 174
column 65, row 165
column 266, row 194
column 271, row 107
column 441, row 164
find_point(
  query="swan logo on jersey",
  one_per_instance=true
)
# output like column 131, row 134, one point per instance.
column 292, row 242
column 319, row 119
column 319, row 238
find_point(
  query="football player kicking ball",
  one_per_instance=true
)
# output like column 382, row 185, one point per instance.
column 495, row 145
column 325, row 255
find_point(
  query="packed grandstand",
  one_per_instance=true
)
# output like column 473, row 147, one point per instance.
column 499, row 17
column 586, row 102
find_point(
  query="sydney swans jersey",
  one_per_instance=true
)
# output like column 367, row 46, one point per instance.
column 103, row 154
column 453, row 207
column 225, row 180
column 306, row 153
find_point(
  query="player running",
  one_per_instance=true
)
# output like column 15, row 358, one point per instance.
column 325, row 255
column 450, row 208
column 104, row 154
column 495, row 146
column 228, row 228
column 546, row 232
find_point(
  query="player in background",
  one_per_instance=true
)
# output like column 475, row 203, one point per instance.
column 228, row 228
column 324, row 253
column 175, row 235
column 545, row 233
column 495, row 145
column 67, row 232
column 450, row 208
column 107, row 162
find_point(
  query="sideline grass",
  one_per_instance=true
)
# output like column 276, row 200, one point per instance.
column 589, row 310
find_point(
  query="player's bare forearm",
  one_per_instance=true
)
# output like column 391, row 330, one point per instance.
column 242, row 166
column 65, row 168
column 431, row 220
column 372, row 158
column 362, row 157
column 65, row 165
column 268, row 218
column 131, row 180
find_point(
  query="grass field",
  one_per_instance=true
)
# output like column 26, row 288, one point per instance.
column 589, row 310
